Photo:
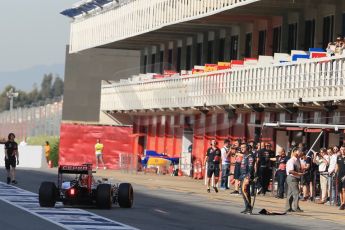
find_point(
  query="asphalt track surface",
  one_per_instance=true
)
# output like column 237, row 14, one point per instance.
column 158, row 209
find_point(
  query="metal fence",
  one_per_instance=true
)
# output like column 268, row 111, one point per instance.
column 128, row 163
column 42, row 118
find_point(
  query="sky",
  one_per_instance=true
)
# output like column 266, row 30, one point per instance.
column 33, row 33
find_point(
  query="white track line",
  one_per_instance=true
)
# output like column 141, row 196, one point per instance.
column 67, row 218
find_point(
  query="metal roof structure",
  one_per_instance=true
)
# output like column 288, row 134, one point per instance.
column 84, row 7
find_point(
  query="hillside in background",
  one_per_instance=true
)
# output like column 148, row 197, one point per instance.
column 26, row 79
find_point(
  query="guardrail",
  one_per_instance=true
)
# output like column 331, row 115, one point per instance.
column 139, row 17
column 310, row 81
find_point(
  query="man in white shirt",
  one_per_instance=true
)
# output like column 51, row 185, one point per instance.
column 225, row 152
column 322, row 160
column 294, row 173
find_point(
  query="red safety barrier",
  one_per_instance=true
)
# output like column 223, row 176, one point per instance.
column 77, row 144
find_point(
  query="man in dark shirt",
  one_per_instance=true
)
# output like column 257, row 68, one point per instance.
column 247, row 174
column 340, row 170
column 264, row 167
column 213, row 159
column 11, row 158
column 281, row 173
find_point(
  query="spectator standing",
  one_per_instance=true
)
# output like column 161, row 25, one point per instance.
column 294, row 173
column 11, row 158
column 237, row 170
column 99, row 153
column 225, row 154
column 47, row 151
column 281, row 173
column 312, row 173
column 213, row 159
column 322, row 160
column 306, row 178
column 331, row 175
column 340, row 170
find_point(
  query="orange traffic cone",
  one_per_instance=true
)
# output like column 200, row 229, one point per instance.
column 180, row 172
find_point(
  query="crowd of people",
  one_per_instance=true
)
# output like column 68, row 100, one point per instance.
column 301, row 174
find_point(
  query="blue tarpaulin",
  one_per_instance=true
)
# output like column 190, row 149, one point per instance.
column 151, row 153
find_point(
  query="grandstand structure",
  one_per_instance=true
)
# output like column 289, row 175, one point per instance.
column 208, row 69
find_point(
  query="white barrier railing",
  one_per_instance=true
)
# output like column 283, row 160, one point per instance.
column 139, row 17
column 30, row 156
column 309, row 81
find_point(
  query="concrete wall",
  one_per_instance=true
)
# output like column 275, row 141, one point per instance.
column 84, row 72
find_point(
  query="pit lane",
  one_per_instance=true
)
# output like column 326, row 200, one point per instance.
column 160, row 209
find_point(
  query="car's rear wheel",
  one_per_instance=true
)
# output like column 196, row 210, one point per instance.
column 125, row 195
column 47, row 194
column 104, row 196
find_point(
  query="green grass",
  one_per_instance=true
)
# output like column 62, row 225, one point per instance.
column 54, row 145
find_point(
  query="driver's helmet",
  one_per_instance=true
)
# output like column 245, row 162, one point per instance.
column 83, row 179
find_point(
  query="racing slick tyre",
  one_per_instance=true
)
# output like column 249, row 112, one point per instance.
column 104, row 196
column 125, row 195
column 47, row 194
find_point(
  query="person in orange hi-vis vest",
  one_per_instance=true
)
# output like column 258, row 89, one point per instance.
column 47, row 151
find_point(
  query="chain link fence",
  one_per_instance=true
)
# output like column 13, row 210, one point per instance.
column 39, row 119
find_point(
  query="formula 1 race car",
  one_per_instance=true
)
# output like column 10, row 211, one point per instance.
column 84, row 189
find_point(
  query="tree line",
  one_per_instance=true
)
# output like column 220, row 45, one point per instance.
column 51, row 87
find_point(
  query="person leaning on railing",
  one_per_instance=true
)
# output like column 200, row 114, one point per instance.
column 336, row 48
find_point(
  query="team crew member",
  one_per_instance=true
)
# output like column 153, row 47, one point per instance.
column 99, row 153
column 294, row 173
column 213, row 159
column 264, row 167
column 11, row 158
column 281, row 173
column 237, row 170
column 247, row 174
column 340, row 170
column 225, row 153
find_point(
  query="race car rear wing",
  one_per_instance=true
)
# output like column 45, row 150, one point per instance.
column 75, row 169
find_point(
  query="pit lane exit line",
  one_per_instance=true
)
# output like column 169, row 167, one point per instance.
column 67, row 218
